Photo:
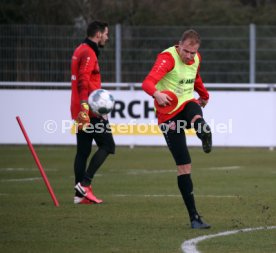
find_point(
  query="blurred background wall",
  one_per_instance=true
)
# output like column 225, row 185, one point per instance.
column 37, row 38
column 238, row 50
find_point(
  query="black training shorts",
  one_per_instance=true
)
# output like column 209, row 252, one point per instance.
column 98, row 130
column 174, row 132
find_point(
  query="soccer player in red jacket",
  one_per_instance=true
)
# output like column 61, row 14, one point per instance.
column 177, row 69
column 85, row 78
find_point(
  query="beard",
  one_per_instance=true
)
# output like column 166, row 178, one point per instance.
column 102, row 43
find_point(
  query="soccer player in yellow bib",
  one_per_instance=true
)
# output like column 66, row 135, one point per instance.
column 177, row 69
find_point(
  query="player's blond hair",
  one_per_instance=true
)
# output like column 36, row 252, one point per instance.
column 192, row 35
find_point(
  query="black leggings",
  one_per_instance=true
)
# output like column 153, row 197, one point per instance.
column 173, row 131
column 104, row 141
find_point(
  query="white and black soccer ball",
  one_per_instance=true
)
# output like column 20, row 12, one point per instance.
column 101, row 101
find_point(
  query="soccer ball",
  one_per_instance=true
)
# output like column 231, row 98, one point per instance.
column 101, row 101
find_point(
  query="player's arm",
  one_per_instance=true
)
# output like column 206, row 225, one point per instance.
column 200, row 88
column 163, row 64
column 86, row 65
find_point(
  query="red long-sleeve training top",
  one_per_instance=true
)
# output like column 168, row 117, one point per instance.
column 85, row 74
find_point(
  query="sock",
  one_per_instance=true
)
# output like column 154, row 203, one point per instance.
column 185, row 186
column 95, row 163
column 198, row 125
column 201, row 127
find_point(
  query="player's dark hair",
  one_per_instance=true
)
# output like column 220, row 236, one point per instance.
column 191, row 35
column 94, row 27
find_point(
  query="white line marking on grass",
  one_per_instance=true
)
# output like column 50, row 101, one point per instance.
column 171, row 195
column 225, row 168
column 21, row 179
column 190, row 245
column 216, row 196
column 141, row 172
column 146, row 195
column 23, row 169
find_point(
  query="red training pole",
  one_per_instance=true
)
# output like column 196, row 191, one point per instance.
column 42, row 172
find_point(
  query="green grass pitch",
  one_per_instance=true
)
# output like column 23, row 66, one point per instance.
column 142, row 212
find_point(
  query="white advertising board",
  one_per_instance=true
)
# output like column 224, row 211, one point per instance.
column 236, row 118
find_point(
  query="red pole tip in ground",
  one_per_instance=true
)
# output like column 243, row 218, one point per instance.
column 42, row 172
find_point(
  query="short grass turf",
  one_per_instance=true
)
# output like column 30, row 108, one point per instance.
column 142, row 212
